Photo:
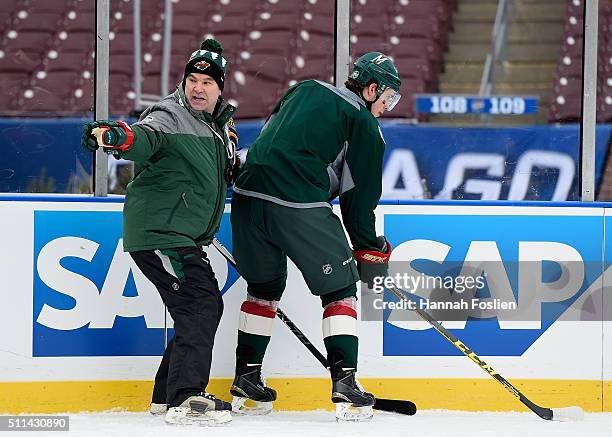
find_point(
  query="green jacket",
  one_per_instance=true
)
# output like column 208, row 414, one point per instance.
column 178, row 194
column 319, row 142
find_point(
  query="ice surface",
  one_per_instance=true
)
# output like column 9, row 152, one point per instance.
column 322, row 423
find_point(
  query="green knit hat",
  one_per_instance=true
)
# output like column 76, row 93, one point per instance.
column 208, row 60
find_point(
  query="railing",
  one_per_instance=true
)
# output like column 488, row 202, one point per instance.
column 498, row 46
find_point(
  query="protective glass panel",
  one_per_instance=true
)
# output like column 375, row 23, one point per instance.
column 46, row 94
column 603, row 164
column 490, row 105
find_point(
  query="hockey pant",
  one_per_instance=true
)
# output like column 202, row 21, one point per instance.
column 188, row 287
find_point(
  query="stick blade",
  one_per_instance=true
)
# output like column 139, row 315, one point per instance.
column 567, row 414
column 396, row 406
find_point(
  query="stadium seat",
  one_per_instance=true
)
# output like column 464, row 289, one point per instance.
column 80, row 22
column 11, row 85
column 40, row 22
column 268, row 42
column 565, row 109
column 19, row 61
column 31, row 41
column 81, row 42
column 313, row 68
column 280, row 42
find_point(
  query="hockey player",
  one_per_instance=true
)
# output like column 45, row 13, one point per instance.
column 183, row 154
column 319, row 142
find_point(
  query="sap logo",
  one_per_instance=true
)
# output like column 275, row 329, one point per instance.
column 89, row 298
column 483, row 260
column 402, row 165
column 93, row 307
column 531, row 260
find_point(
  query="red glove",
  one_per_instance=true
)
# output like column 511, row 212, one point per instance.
column 373, row 263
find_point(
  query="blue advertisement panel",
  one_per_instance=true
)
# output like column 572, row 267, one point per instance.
column 521, row 163
column 534, row 260
column 89, row 299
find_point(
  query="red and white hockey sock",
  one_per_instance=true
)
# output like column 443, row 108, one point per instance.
column 255, row 329
column 340, row 330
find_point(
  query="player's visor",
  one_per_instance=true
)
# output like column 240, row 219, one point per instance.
column 392, row 99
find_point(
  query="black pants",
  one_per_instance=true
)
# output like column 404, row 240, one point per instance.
column 188, row 287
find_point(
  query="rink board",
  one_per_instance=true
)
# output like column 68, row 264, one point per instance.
column 84, row 330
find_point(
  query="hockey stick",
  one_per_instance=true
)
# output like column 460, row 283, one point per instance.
column 391, row 405
column 560, row 414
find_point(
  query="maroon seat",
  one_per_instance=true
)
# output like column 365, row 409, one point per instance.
column 185, row 23
column 318, row 23
column 28, row 41
column 43, row 101
column 314, row 68
column 370, row 7
column 122, row 43
column 12, row 84
column 373, row 25
column 277, row 21
column 232, row 7
column 84, row 6
column 571, row 69
column 271, row 41
column 154, row 66
column 417, row 68
column 57, row 82
column 282, row 6
column 20, row 61
column 420, row 29
column 192, row 7
column 566, row 112
column 268, row 65
column 82, row 98
column 604, row 112
column 41, row 22
column 368, row 43
column 76, row 62
column 82, row 22
column 10, row 5
column 183, row 44
column 311, row 44
column 5, row 20
column 324, row 7
column 38, row 6
column 232, row 43
column 255, row 96
column 413, row 47
column 567, row 85
column 229, row 22
column 81, row 42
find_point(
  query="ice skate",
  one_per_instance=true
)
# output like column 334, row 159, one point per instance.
column 158, row 409
column 353, row 404
column 202, row 409
column 250, row 394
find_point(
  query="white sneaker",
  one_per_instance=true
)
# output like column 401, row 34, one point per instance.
column 202, row 409
column 158, row 409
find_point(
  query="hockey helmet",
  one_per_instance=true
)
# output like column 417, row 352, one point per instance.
column 380, row 68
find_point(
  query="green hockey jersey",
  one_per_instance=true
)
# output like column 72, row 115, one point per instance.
column 319, row 142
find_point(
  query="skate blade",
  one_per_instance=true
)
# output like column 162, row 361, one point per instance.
column 248, row 407
column 186, row 416
column 158, row 409
column 347, row 412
